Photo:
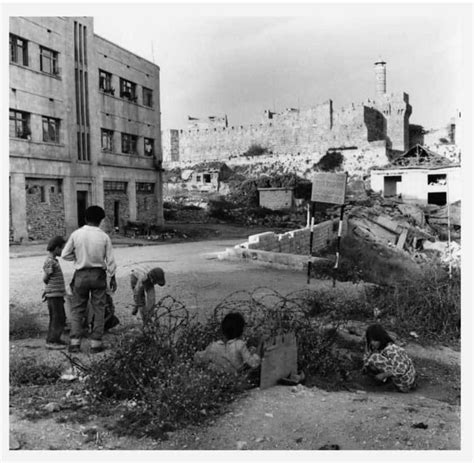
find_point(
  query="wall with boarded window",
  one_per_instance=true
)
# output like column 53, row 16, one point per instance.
column 110, row 198
column 44, row 208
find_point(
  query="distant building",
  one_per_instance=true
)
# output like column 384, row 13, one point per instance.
column 419, row 176
column 85, row 128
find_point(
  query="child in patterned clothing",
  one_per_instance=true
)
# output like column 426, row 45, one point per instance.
column 54, row 293
column 230, row 354
column 384, row 359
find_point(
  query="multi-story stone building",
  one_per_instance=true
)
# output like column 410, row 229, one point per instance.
column 84, row 129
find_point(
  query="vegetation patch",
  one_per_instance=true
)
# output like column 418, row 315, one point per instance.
column 155, row 372
column 23, row 323
column 27, row 371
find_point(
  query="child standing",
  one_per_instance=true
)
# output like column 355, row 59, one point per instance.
column 384, row 359
column 54, row 293
column 230, row 354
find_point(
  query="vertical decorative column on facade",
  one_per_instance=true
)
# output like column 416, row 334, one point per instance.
column 380, row 78
column 132, row 199
column 18, row 205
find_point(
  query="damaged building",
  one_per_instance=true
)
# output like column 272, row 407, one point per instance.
column 85, row 128
column 419, row 176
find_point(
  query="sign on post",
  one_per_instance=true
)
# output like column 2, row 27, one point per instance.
column 329, row 188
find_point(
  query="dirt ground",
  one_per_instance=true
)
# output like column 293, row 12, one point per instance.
column 361, row 416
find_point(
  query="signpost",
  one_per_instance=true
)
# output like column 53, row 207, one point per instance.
column 328, row 188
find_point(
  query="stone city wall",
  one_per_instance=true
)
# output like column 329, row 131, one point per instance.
column 308, row 132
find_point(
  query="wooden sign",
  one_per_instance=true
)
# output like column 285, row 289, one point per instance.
column 329, row 188
column 280, row 356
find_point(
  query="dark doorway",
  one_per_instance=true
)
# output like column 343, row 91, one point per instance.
column 391, row 185
column 437, row 198
column 116, row 213
column 81, row 207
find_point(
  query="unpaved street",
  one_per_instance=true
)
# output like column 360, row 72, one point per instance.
column 194, row 275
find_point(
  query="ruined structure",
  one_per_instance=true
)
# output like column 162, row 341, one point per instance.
column 365, row 133
column 419, row 176
column 85, row 128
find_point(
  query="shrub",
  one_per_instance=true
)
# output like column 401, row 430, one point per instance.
column 221, row 209
column 255, row 150
column 27, row 371
column 331, row 161
column 23, row 323
column 157, row 372
column 429, row 304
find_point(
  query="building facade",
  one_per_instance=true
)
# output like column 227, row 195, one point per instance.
column 419, row 176
column 85, row 128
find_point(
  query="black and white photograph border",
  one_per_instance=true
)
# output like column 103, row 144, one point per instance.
column 237, row 227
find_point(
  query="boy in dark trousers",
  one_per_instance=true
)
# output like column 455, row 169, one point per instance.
column 54, row 293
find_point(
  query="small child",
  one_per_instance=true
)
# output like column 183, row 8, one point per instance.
column 54, row 293
column 383, row 359
column 143, row 279
column 230, row 354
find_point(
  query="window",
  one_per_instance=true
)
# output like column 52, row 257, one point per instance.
column 206, row 178
column 198, row 178
column 18, row 50
column 49, row 61
column 129, row 143
column 149, row 147
column 128, row 90
column 147, row 97
column 145, row 187
column 50, row 129
column 115, row 186
column 105, row 82
column 107, row 140
column 437, row 179
column 19, row 124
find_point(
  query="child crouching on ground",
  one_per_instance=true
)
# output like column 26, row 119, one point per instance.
column 230, row 354
column 383, row 359
column 54, row 293
column 143, row 280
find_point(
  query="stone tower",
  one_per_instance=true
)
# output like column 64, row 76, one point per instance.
column 380, row 78
column 396, row 109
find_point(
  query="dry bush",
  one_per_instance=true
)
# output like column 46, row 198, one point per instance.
column 156, row 368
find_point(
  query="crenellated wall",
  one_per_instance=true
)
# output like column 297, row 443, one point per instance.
column 364, row 133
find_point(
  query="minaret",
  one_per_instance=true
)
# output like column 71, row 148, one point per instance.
column 380, row 78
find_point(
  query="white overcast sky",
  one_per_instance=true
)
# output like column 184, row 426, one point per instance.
column 240, row 60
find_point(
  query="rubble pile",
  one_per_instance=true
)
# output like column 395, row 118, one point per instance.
column 407, row 228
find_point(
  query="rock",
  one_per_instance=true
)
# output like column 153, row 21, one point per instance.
column 52, row 407
column 259, row 439
column 14, row 443
column 269, row 415
column 241, row 445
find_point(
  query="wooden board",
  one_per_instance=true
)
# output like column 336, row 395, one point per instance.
column 329, row 188
column 280, row 356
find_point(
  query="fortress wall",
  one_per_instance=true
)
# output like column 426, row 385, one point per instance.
column 307, row 133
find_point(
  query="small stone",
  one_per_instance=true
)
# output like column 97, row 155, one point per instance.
column 259, row 439
column 52, row 407
column 298, row 440
column 269, row 415
column 241, row 445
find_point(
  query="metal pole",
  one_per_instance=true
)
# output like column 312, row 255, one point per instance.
column 338, row 246
column 311, row 233
column 449, row 230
